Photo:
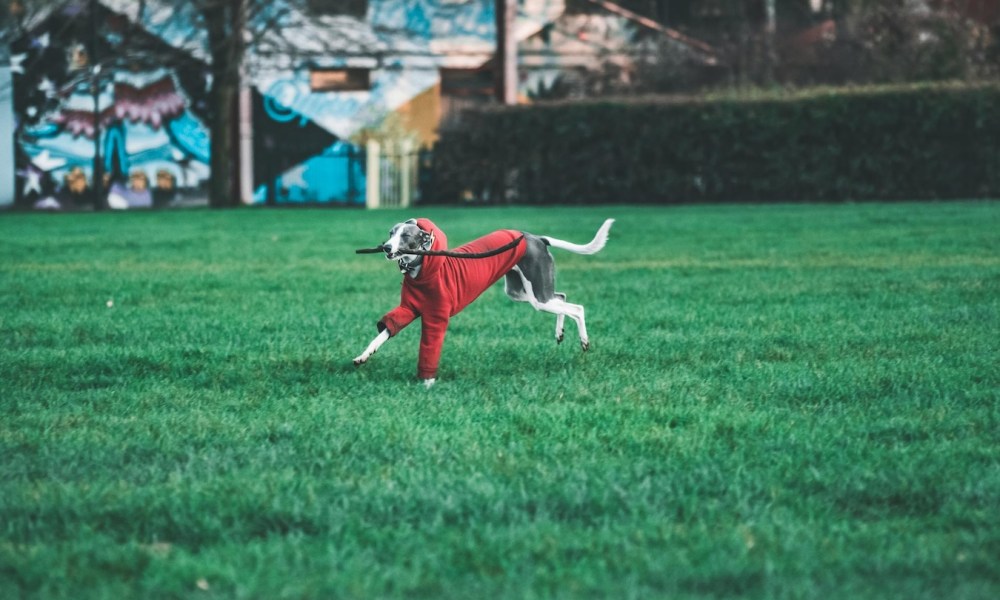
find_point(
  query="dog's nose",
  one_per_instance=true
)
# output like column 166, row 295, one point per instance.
column 386, row 248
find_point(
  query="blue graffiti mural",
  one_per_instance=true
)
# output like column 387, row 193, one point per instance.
column 335, row 174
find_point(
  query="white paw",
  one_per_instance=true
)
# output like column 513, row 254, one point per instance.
column 428, row 383
column 360, row 360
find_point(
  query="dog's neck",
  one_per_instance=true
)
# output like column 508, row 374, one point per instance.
column 409, row 264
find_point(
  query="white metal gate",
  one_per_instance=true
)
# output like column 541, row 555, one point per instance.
column 391, row 174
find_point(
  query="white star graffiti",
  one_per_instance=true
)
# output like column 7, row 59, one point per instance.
column 17, row 63
column 32, row 181
column 46, row 162
column 47, row 87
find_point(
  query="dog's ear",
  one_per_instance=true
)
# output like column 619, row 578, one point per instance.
column 411, row 221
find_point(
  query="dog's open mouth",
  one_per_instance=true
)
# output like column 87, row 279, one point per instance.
column 397, row 254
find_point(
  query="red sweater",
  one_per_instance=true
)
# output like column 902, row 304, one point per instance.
column 445, row 286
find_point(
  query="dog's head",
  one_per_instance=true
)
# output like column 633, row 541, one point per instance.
column 403, row 238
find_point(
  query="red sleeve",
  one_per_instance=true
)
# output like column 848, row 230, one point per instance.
column 396, row 319
column 431, row 341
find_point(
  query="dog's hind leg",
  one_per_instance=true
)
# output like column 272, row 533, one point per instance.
column 562, row 309
column 560, row 320
column 533, row 280
column 514, row 286
column 520, row 288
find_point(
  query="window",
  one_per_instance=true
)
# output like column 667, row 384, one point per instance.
column 339, row 80
column 351, row 8
column 467, row 82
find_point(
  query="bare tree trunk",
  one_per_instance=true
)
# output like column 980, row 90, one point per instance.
column 224, row 23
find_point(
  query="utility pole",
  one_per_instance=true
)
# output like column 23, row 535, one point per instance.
column 770, row 32
column 506, row 53
column 97, row 180
column 246, row 141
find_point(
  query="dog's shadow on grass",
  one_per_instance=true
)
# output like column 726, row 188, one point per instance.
column 375, row 371
column 536, row 361
column 466, row 360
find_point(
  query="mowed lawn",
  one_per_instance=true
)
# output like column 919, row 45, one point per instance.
column 785, row 401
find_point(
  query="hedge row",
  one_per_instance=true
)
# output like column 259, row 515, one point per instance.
column 914, row 142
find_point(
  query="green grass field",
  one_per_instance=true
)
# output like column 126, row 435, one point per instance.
column 780, row 402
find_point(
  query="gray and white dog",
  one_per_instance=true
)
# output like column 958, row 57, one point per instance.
column 530, row 279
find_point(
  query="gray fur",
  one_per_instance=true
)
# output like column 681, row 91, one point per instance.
column 538, row 266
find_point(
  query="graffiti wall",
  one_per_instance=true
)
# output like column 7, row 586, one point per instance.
column 297, row 161
column 143, row 113
column 401, row 45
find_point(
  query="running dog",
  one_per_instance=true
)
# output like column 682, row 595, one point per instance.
column 438, row 284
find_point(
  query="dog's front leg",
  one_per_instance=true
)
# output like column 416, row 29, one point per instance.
column 372, row 348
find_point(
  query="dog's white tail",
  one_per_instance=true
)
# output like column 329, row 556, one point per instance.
column 593, row 247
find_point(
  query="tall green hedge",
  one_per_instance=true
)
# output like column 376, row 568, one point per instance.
column 910, row 142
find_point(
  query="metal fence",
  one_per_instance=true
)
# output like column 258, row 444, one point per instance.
column 392, row 174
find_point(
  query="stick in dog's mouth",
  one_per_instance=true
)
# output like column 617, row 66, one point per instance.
column 488, row 253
